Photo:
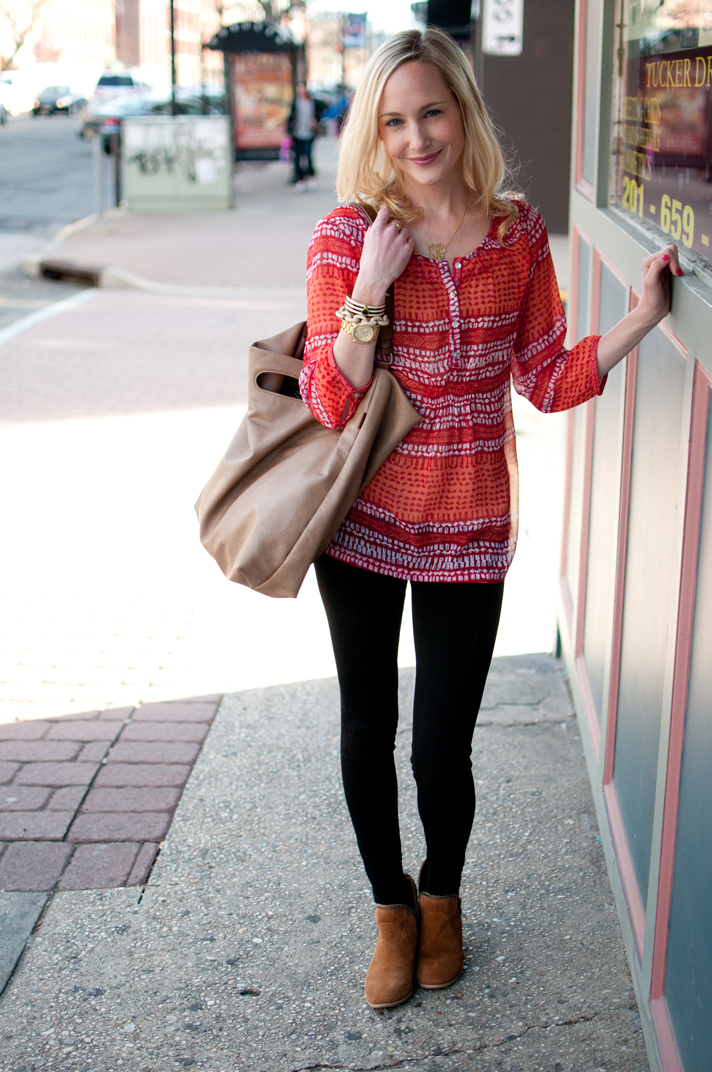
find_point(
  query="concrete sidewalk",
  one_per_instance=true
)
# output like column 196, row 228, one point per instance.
column 247, row 949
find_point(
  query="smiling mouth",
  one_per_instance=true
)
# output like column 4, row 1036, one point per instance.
column 423, row 160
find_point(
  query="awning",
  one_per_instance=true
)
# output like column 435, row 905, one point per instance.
column 252, row 37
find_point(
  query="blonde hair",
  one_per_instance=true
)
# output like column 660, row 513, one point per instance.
column 366, row 171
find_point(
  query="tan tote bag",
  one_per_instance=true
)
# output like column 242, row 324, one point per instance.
column 286, row 482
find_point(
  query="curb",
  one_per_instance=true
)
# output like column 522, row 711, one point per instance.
column 48, row 266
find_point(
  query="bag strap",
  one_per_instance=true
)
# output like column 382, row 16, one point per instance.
column 384, row 346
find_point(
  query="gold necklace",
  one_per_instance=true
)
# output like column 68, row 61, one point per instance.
column 438, row 250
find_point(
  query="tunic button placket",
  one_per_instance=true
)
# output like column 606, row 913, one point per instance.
column 455, row 324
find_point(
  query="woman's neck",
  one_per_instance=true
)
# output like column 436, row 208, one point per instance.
column 442, row 201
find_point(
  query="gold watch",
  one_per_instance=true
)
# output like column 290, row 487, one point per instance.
column 360, row 332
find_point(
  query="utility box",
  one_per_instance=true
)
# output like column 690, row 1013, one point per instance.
column 177, row 163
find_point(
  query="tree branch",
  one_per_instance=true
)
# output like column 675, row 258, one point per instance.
column 21, row 18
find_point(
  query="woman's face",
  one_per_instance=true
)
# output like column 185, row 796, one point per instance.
column 420, row 123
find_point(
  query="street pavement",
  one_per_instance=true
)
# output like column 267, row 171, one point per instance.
column 46, row 175
column 46, row 184
column 115, row 408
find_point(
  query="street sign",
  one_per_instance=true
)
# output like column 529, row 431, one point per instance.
column 355, row 31
column 502, row 27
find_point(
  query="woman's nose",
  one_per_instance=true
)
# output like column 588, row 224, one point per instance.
column 418, row 137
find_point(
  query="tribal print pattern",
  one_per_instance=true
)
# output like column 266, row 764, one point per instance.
column 444, row 506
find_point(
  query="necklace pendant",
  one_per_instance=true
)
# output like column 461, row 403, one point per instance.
column 437, row 250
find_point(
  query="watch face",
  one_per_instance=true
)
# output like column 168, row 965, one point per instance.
column 364, row 332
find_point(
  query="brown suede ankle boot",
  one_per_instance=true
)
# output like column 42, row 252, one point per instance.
column 390, row 978
column 440, row 954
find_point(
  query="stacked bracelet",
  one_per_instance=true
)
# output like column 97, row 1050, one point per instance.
column 353, row 312
column 362, row 322
column 358, row 309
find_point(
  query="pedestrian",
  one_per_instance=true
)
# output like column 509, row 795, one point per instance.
column 301, row 127
column 476, row 303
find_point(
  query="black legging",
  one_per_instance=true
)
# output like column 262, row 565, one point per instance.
column 454, row 625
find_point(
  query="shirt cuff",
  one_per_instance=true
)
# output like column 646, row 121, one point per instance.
column 599, row 383
column 355, row 393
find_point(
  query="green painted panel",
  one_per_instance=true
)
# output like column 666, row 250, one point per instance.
column 688, row 985
column 605, row 499
column 649, row 577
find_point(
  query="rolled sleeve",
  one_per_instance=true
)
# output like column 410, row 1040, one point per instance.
column 328, row 393
column 332, row 266
column 543, row 370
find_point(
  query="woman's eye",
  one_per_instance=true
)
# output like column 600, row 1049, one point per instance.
column 433, row 111
column 393, row 122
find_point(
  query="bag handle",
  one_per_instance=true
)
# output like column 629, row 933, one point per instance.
column 384, row 346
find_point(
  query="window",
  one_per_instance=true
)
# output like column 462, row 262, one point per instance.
column 663, row 123
column 589, row 90
column 116, row 80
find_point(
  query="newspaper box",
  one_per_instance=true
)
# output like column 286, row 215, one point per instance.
column 174, row 163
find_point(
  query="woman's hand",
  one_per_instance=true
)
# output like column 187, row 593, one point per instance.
column 653, row 306
column 655, row 271
column 387, row 248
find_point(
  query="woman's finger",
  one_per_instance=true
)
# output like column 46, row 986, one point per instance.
column 673, row 260
column 652, row 274
column 666, row 257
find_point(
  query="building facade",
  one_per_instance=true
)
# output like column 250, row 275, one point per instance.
column 635, row 602
column 328, row 62
column 538, row 133
column 75, row 40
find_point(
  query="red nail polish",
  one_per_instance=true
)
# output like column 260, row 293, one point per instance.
column 665, row 257
column 679, row 272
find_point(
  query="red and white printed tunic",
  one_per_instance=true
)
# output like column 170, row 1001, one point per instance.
column 444, row 506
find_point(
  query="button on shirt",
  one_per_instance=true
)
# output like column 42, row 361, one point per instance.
column 444, row 505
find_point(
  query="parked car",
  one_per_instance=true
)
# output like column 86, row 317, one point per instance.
column 114, row 84
column 106, row 119
column 58, row 99
column 12, row 98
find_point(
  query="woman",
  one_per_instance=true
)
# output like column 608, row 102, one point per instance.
column 476, row 301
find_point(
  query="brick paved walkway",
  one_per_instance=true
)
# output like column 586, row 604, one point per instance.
column 86, row 800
